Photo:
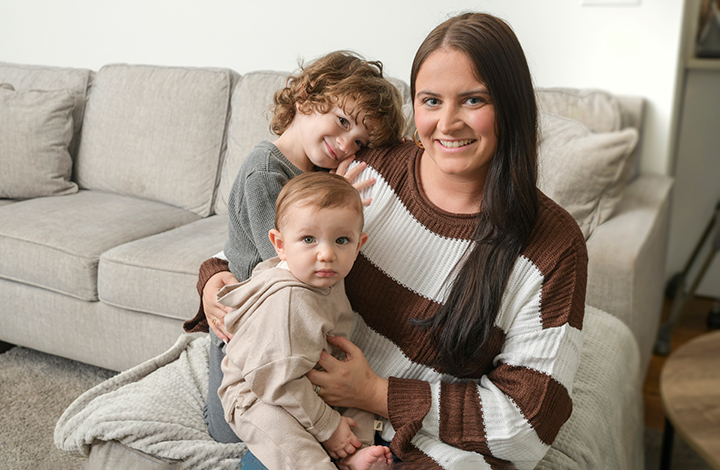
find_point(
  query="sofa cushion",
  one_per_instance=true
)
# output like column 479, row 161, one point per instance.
column 598, row 110
column 55, row 242
column 159, row 274
column 35, row 131
column 156, row 133
column 34, row 77
column 583, row 170
column 249, row 125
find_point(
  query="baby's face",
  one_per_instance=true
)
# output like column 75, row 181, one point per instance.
column 320, row 245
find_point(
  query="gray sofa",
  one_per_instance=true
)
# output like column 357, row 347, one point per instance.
column 114, row 190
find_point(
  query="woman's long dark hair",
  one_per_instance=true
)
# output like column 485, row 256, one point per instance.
column 509, row 208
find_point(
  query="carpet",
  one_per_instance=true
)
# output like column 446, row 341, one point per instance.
column 35, row 389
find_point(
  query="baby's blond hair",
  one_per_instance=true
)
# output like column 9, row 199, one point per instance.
column 320, row 190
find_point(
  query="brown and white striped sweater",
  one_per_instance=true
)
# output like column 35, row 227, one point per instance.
column 512, row 411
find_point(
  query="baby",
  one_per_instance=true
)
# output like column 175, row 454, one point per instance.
column 280, row 321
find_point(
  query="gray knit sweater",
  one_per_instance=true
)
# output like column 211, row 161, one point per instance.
column 251, row 207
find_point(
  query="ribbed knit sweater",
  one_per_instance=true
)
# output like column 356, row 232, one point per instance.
column 507, row 416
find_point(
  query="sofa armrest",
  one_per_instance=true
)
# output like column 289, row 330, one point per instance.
column 626, row 270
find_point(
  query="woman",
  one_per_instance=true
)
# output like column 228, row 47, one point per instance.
column 472, row 285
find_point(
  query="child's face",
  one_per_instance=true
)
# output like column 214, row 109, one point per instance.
column 319, row 245
column 329, row 138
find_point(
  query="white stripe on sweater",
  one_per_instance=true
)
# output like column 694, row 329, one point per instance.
column 527, row 344
column 410, row 254
column 447, row 456
column 509, row 435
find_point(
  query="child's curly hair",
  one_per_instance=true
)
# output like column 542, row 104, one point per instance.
column 332, row 80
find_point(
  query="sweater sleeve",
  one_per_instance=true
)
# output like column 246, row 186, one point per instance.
column 512, row 413
column 251, row 215
column 209, row 268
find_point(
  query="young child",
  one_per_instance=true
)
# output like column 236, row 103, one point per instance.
column 333, row 108
column 280, row 321
column 327, row 112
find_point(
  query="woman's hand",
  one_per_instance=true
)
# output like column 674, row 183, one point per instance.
column 350, row 382
column 353, row 173
column 214, row 311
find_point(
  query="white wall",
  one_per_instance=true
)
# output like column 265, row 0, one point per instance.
column 624, row 49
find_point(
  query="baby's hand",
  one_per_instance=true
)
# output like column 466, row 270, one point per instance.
column 343, row 442
column 352, row 173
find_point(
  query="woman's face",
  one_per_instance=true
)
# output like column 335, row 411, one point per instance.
column 454, row 116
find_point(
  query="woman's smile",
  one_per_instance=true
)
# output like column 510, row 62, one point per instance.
column 456, row 143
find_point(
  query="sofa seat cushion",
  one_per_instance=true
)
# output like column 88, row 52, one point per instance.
column 158, row 274
column 156, row 133
column 55, row 242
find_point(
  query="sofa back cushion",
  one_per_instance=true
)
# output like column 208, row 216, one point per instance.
column 33, row 77
column 588, row 150
column 249, row 125
column 156, row 133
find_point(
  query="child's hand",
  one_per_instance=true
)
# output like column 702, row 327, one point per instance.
column 343, row 442
column 352, row 173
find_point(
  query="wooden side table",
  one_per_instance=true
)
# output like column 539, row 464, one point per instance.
column 690, row 391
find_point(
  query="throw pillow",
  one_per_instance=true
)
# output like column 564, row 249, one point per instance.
column 583, row 170
column 35, row 131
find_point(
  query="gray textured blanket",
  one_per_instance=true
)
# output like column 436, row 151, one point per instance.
column 155, row 407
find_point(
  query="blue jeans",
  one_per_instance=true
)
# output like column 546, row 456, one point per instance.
column 250, row 462
column 218, row 428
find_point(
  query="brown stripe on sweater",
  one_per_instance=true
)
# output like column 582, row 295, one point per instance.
column 543, row 401
column 395, row 165
column 557, row 248
column 408, row 402
column 387, row 307
column 209, row 268
column 461, row 417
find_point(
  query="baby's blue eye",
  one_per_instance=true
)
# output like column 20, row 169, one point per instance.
column 308, row 240
column 342, row 241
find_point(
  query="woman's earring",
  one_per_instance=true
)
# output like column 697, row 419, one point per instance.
column 417, row 140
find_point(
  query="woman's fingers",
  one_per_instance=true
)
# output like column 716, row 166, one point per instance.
column 214, row 311
column 345, row 345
